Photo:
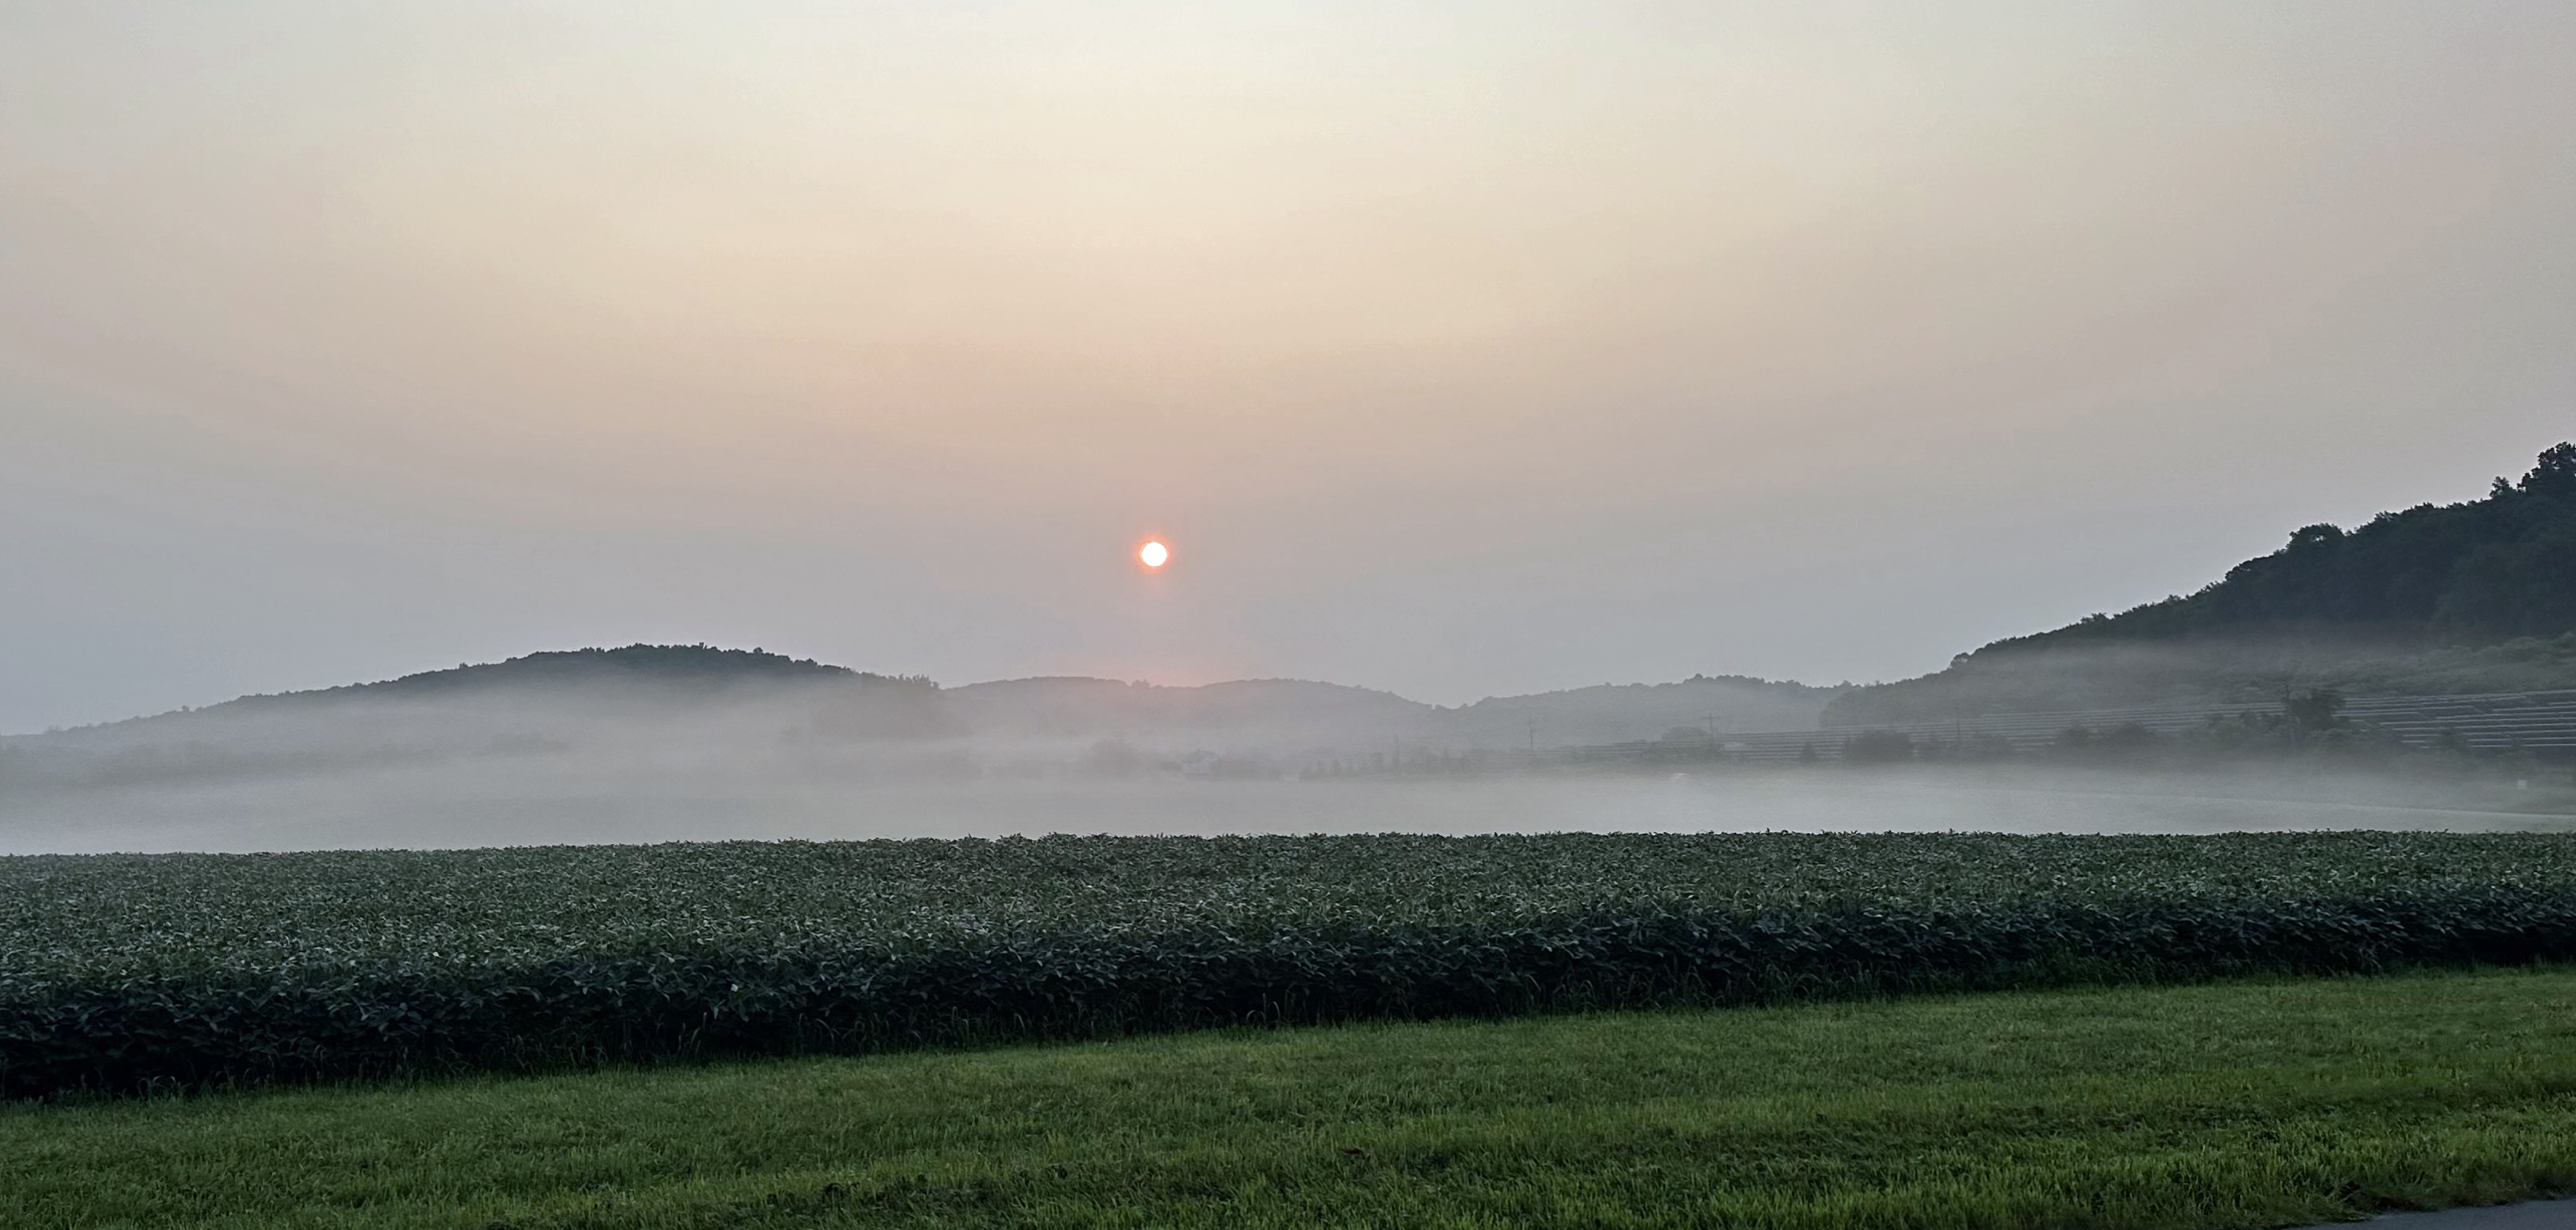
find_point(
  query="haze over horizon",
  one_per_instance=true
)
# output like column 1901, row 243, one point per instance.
column 1458, row 350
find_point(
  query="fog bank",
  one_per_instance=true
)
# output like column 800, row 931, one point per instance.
column 689, row 743
column 429, row 807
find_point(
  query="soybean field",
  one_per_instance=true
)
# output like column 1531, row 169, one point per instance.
column 121, row 973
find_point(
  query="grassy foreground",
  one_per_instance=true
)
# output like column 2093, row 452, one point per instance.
column 2236, row 1105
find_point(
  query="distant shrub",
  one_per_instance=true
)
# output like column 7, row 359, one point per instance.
column 1879, row 747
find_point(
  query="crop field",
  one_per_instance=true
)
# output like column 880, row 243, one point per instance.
column 128, row 972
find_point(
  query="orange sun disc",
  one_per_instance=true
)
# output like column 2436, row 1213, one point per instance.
column 1154, row 553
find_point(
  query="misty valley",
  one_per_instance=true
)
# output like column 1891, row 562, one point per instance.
column 651, row 744
column 2418, row 671
column 872, row 616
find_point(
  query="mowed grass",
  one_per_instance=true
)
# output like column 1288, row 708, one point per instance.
column 2233, row 1105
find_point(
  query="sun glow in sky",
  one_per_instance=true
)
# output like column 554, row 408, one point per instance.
column 340, row 341
column 1154, row 554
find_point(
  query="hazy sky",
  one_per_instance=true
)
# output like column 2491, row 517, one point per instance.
column 1458, row 349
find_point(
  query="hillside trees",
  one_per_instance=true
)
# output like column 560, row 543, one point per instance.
column 2481, row 571
column 2474, row 596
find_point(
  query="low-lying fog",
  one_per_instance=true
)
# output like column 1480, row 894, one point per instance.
column 439, row 806
column 657, row 744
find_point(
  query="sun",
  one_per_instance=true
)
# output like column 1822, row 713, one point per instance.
column 1154, row 554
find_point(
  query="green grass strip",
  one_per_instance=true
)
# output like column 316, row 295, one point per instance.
column 2192, row 1108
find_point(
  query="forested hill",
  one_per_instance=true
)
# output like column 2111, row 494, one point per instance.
column 2483, row 571
column 2476, row 596
column 684, row 666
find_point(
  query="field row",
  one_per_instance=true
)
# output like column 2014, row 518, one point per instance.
column 125, row 972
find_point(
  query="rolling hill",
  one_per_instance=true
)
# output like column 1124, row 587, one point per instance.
column 2478, row 596
column 673, row 706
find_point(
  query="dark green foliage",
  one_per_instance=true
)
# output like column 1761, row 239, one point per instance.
column 125, row 972
column 2491, row 569
column 2525, row 588
column 2471, row 597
